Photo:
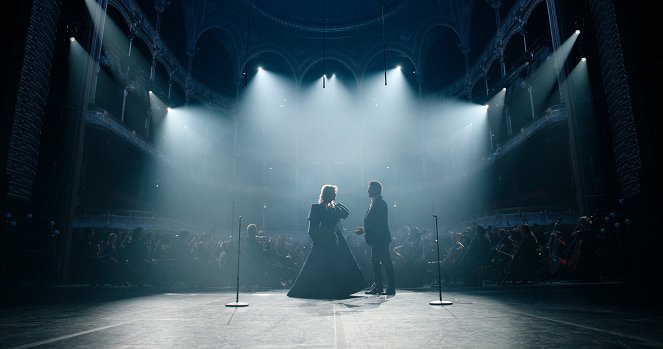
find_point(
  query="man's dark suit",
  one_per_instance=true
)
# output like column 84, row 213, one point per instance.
column 378, row 236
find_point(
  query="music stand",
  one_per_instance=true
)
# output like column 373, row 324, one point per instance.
column 237, row 303
column 439, row 274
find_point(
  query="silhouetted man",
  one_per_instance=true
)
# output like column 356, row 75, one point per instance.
column 376, row 228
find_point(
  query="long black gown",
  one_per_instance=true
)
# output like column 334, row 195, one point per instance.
column 330, row 271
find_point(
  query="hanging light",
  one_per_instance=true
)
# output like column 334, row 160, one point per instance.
column 246, row 59
column 324, row 63
column 384, row 47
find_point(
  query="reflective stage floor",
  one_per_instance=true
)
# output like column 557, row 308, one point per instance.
column 525, row 316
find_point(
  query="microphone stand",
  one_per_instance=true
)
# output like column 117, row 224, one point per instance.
column 237, row 303
column 439, row 277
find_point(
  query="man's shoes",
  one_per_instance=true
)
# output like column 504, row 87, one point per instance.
column 374, row 291
column 389, row 292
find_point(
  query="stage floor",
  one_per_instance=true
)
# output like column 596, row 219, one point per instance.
column 525, row 316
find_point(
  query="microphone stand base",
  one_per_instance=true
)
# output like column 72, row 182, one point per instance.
column 237, row 304
column 441, row 302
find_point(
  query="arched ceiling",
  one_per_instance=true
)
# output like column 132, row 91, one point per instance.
column 353, row 30
column 338, row 14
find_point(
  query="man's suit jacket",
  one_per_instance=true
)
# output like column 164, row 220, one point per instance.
column 376, row 223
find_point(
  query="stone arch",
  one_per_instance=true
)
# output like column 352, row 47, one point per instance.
column 231, row 43
column 214, row 64
column 402, row 51
column 162, row 76
column 537, row 21
column 284, row 63
column 483, row 12
column 422, row 43
column 441, row 37
column 493, row 73
column 334, row 59
column 478, row 94
column 173, row 17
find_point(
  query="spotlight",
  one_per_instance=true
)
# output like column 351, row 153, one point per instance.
column 486, row 106
column 503, row 88
column 398, row 67
column 259, row 68
column 150, row 91
column 73, row 31
column 333, row 76
column 577, row 31
column 583, row 59
column 168, row 109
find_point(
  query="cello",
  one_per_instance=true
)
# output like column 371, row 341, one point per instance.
column 578, row 237
column 554, row 243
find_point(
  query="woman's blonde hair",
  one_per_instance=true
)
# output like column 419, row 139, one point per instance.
column 327, row 193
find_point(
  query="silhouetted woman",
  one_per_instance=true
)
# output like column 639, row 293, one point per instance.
column 330, row 271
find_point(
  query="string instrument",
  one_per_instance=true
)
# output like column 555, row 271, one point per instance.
column 517, row 242
column 157, row 244
column 454, row 254
column 127, row 237
column 576, row 243
column 554, row 242
column 504, row 254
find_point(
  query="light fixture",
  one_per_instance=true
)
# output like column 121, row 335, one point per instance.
column 577, row 31
column 583, row 59
column 246, row 58
column 72, row 39
column 384, row 47
column 324, row 63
